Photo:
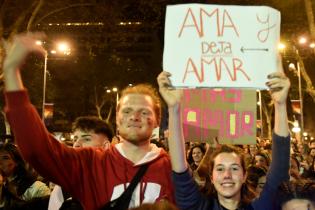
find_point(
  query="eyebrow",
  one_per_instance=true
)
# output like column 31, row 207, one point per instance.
column 234, row 164
column 86, row 135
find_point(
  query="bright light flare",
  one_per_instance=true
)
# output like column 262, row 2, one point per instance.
column 292, row 66
column 39, row 42
column 63, row 47
column 281, row 46
column 302, row 40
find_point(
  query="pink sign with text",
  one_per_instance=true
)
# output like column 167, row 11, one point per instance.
column 228, row 114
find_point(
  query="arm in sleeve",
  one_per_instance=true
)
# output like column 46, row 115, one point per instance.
column 51, row 159
column 187, row 193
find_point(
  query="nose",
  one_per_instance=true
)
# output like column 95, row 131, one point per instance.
column 77, row 144
column 135, row 116
column 227, row 174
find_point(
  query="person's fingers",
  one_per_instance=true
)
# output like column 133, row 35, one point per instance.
column 164, row 81
column 278, row 74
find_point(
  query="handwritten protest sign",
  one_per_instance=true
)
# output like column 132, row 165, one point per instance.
column 229, row 114
column 220, row 46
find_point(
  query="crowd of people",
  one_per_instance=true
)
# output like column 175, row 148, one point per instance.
column 135, row 173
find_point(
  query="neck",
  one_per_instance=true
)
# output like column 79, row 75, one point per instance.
column 135, row 152
column 230, row 203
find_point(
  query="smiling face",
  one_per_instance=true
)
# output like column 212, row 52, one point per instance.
column 197, row 154
column 136, row 118
column 228, row 175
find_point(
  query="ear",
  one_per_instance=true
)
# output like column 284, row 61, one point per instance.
column 106, row 144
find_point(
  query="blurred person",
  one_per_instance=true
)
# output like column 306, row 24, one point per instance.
column 253, row 149
column 227, row 166
column 94, row 177
column 262, row 159
column 88, row 131
column 18, row 178
column 294, row 168
column 311, row 156
column 296, row 195
column 195, row 156
column 20, row 188
column 256, row 177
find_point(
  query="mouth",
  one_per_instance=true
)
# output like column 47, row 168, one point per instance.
column 228, row 184
column 134, row 126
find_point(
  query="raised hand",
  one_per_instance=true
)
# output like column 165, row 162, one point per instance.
column 19, row 48
column 171, row 95
column 279, row 86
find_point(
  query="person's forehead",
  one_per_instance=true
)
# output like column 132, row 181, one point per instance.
column 196, row 149
column 297, row 204
column 83, row 132
column 227, row 159
column 136, row 99
column 260, row 157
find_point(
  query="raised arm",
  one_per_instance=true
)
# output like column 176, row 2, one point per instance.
column 279, row 86
column 16, row 52
column 278, row 172
column 38, row 147
column 176, row 140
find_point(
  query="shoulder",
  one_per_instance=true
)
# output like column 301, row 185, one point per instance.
column 37, row 189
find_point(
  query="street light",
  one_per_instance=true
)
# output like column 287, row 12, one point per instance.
column 296, row 128
column 115, row 90
column 64, row 49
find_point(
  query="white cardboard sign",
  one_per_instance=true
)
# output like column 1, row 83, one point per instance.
column 221, row 46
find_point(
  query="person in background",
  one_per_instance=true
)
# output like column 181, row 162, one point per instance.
column 261, row 159
column 19, row 181
column 296, row 195
column 195, row 156
column 88, row 131
column 256, row 177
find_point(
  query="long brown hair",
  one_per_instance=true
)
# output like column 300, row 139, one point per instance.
column 247, row 192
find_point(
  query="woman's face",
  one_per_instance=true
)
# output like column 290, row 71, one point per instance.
column 7, row 164
column 197, row 154
column 298, row 204
column 228, row 175
column 260, row 185
column 261, row 161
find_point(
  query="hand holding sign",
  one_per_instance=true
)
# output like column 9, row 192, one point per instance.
column 279, row 86
column 171, row 96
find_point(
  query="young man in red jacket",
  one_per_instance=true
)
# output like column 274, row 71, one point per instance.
column 94, row 177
